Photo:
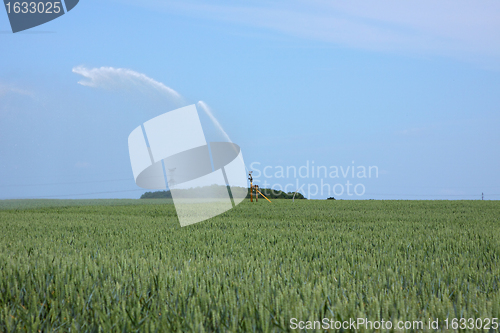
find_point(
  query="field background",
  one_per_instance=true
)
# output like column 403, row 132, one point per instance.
column 127, row 265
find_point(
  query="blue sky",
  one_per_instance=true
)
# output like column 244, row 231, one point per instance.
column 409, row 87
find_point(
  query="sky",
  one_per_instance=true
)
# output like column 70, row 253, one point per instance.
column 408, row 90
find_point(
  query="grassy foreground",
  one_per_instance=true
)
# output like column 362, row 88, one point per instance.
column 110, row 268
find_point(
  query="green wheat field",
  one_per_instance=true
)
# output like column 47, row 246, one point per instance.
column 127, row 265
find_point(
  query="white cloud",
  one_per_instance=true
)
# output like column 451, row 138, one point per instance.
column 457, row 28
column 122, row 78
column 11, row 89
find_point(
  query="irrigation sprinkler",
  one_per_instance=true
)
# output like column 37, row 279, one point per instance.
column 250, row 178
column 258, row 191
column 256, row 188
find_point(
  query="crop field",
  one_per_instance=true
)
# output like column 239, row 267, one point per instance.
column 126, row 266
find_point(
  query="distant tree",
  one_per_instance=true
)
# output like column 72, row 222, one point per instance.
column 157, row 195
column 331, row 198
column 277, row 194
column 200, row 192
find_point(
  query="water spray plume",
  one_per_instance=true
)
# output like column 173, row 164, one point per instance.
column 209, row 113
column 120, row 78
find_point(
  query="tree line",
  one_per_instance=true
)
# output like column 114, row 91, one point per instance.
column 220, row 191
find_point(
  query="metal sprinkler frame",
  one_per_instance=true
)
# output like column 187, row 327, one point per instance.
column 256, row 188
